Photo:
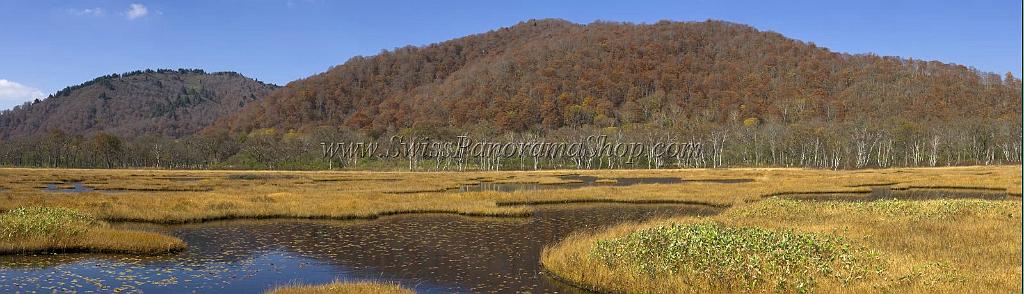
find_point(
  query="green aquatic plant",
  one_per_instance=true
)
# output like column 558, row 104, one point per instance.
column 738, row 257
column 43, row 221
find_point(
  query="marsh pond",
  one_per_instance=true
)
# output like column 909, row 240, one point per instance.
column 432, row 253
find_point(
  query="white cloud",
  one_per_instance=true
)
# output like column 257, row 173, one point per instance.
column 87, row 11
column 136, row 11
column 12, row 94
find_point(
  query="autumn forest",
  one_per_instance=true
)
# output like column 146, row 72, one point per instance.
column 747, row 97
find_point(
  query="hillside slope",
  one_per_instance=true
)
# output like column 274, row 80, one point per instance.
column 547, row 74
column 168, row 103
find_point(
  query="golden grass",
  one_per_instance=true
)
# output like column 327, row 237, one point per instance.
column 174, row 196
column 343, row 288
column 929, row 246
column 38, row 229
column 936, row 246
column 97, row 240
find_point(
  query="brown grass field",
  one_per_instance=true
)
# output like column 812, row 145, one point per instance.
column 923, row 246
column 174, row 196
column 99, row 240
column 343, row 288
column 47, row 229
column 934, row 246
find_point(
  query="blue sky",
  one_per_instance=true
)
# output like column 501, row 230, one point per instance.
column 46, row 45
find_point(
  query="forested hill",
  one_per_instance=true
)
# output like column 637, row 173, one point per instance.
column 163, row 103
column 547, row 74
column 742, row 96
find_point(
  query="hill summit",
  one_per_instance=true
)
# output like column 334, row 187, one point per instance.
column 541, row 75
column 168, row 103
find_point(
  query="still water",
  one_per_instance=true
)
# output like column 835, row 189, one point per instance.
column 432, row 253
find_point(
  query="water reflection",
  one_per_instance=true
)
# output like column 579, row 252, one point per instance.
column 76, row 187
column 431, row 253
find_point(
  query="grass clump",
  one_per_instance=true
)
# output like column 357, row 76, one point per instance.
column 343, row 288
column 779, row 245
column 737, row 257
column 26, row 230
column 778, row 209
column 43, row 221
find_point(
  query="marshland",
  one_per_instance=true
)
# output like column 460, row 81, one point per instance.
column 429, row 147
column 688, row 230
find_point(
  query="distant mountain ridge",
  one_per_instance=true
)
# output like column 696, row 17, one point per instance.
column 168, row 103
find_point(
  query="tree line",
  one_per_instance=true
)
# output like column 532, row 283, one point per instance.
column 747, row 143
